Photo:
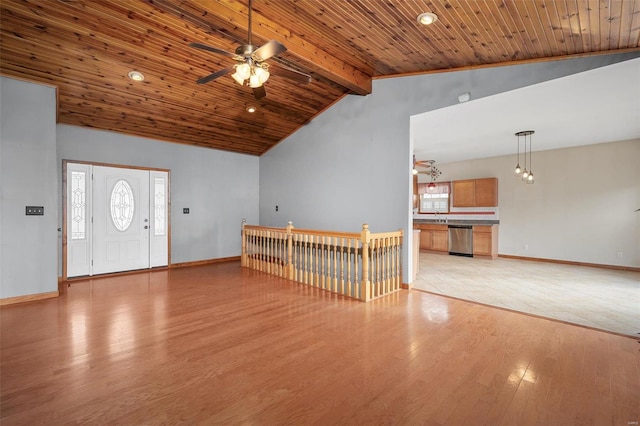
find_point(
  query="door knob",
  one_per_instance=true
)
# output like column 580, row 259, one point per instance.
column 146, row 227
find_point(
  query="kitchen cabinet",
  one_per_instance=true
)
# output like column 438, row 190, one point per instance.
column 464, row 193
column 487, row 192
column 434, row 237
column 485, row 241
column 475, row 192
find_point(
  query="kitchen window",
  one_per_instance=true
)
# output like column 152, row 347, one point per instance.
column 434, row 197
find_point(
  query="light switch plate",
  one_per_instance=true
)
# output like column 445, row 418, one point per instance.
column 34, row 210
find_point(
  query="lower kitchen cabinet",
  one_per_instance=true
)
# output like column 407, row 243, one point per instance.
column 434, row 238
column 485, row 241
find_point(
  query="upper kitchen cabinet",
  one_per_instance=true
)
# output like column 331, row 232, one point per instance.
column 475, row 192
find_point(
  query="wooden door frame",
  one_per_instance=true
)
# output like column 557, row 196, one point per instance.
column 64, row 209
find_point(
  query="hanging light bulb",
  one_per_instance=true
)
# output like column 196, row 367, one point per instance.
column 262, row 72
column 238, row 78
column 254, row 81
column 518, row 169
column 243, row 72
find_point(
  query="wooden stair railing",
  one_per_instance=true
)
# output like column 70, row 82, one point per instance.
column 362, row 265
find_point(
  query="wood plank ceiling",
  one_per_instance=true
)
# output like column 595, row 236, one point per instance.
column 87, row 47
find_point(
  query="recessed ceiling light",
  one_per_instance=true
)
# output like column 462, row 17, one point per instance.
column 427, row 18
column 136, row 75
column 251, row 109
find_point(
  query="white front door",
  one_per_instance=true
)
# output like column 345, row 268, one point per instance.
column 117, row 219
column 120, row 219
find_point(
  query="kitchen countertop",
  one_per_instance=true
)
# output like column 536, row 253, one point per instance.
column 455, row 222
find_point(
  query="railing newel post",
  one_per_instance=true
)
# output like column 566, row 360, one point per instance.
column 365, row 288
column 289, row 266
column 243, row 257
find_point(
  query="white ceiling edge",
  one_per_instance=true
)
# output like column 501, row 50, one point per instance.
column 596, row 106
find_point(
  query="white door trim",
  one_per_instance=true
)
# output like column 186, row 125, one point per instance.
column 160, row 244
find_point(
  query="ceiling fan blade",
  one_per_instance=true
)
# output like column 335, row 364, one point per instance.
column 259, row 92
column 215, row 75
column 214, row 50
column 268, row 50
column 291, row 74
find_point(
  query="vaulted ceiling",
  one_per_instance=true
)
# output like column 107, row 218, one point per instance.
column 86, row 48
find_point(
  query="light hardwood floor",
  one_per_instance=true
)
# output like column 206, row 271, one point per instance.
column 605, row 299
column 219, row 344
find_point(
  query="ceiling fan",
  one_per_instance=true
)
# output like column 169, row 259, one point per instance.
column 426, row 167
column 251, row 69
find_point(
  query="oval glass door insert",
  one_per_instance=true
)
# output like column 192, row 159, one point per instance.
column 122, row 205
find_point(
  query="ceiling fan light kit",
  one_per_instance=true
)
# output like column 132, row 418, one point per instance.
column 252, row 71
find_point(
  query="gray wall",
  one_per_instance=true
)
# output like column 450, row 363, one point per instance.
column 350, row 165
column 581, row 207
column 219, row 188
column 27, row 177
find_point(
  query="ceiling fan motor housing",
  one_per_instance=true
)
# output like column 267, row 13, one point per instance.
column 245, row 50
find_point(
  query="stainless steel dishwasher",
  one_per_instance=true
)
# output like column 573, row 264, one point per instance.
column 461, row 240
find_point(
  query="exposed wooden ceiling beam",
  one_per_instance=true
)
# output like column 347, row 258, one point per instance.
column 230, row 18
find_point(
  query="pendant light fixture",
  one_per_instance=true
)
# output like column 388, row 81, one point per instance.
column 518, row 170
column 525, row 175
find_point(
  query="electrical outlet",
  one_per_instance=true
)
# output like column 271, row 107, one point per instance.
column 619, row 255
column 185, row 210
column 525, row 246
column 276, row 208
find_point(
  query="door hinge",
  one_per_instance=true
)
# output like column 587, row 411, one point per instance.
column 91, row 262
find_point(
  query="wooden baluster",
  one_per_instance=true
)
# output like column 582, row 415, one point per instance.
column 358, row 270
column 347, row 290
column 375, row 268
column 265, row 251
column 322, row 254
column 334, row 275
column 318, row 262
column 254, row 249
column 261, row 250
column 313, row 261
column 277, row 260
column 398, row 260
column 269, row 252
column 282, row 257
column 398, row 267
column 295, row 257
column 381, row 259
column 330, row 266
column 305, row 247
column 394, row 258
column 342, row 266
column 258, row 250
column 387, row 258
column 265, row 246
